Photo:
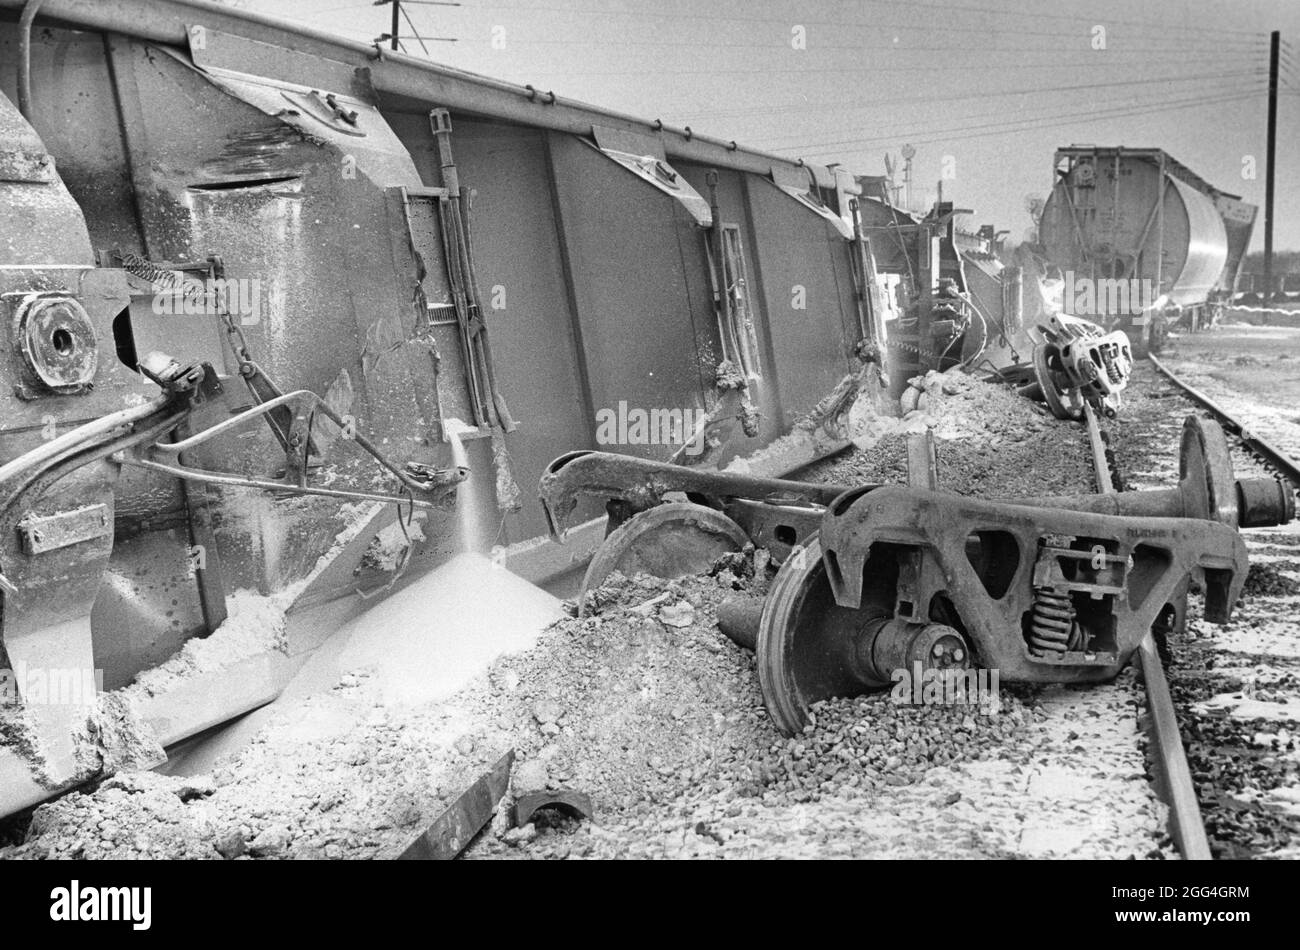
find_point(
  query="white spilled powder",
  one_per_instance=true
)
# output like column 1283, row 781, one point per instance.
column 356, row 517
column 1279, row 427
column 430, row 638
column 254, row 625
column 467, row 493
column 859, row 420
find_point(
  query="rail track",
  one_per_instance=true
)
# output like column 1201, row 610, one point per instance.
column 1253, row 442
column 1228, row 780
column 1173, row 777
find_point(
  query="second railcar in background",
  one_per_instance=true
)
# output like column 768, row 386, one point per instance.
column 1142, row 241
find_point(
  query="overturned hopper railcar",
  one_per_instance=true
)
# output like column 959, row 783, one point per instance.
column 290, row 320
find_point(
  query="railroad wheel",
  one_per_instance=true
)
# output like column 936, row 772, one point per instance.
column 1064, row 401
column 1205, row 472
column 806, row 642
column 668, row 541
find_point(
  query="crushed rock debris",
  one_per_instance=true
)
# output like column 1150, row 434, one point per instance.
column 989, row 441
column 1266, row 580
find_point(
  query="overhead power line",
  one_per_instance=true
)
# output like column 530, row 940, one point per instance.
column 1093, row 19
column 814, row 70
column 660, row 15
column 936, row 125
column 859, row 105
column 1238, row 97
column 912, row 132
column 619, row 47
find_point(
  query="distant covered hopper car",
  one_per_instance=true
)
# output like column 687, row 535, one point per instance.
column 1142, row 241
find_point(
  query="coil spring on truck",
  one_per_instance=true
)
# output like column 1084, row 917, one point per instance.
column 1113, row 371
column 1053, row 626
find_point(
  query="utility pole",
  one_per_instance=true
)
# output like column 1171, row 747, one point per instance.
column 1274, row 42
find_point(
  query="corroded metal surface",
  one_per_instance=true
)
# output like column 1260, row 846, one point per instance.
column 642, row 483
column 465, row 817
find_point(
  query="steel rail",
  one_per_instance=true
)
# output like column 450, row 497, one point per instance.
column 1256, row 444
column 1174, row 777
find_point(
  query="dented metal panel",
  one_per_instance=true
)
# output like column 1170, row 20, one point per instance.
column 807, row 283
column 657, row 172
column 641, row 292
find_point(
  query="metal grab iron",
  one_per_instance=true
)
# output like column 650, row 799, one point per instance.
column 422, row 486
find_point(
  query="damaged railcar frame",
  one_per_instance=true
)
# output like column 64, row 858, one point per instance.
column 268, row 293
column 875, row 578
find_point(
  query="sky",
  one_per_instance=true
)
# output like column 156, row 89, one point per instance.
column 984, row 90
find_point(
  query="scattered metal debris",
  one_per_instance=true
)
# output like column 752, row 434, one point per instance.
column 566, row 800
column 456, row 827
column 1078, row 363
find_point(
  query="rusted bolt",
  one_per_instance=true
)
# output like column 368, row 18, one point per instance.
column 58, row 341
